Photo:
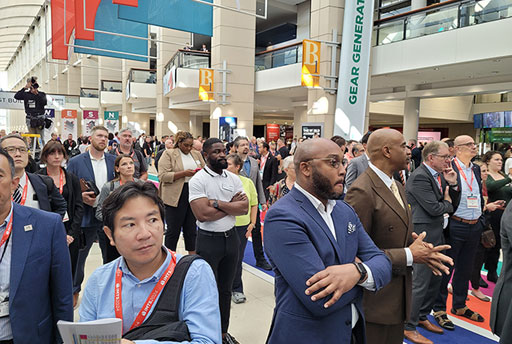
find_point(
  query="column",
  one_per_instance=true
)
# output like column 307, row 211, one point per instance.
column 411, row 115
column 196, row 124
column 233, row 41
column 299, row 117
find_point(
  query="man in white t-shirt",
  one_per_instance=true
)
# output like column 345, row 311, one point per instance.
column 216, row 197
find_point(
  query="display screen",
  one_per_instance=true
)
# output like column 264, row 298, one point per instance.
column 493, row 120
column 508, row 119
column 477, row 121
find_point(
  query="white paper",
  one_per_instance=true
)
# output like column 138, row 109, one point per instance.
column 103, row 331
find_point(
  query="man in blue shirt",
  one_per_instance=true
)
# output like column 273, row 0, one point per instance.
column 133, row 223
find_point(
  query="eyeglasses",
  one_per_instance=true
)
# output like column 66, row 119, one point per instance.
column 12, row 149
column 333, row 162
column 469, row 144
column 444, row 157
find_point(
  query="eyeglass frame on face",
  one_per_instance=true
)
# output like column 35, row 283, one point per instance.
column 444, row 157
column 333, row 165
column 468, row 145
column 12, row 150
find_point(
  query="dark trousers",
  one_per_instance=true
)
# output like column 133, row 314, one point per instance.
column 384, row 334
column 108, row 253
column 220, row 250
column 74, row 250
column 493, row 254
column 477, row 266
column 257, row 242
column 463, row 239
column 237, row 282
column 180, row 217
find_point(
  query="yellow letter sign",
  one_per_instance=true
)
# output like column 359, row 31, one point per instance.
column 310, row 63
column 206, row 84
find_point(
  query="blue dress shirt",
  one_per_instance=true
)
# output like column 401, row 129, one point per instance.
column 5, row 278
column 199, row 303
column 462, row 210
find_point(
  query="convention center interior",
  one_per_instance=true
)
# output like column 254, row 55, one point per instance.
column 255, row 171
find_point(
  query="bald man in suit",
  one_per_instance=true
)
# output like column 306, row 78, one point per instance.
column 382, row 207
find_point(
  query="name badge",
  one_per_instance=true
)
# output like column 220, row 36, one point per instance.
column 228, row 187
column 198, row 163
column 66, row 217
column 472, row 202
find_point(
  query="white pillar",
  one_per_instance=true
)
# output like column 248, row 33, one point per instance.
column 411, row 117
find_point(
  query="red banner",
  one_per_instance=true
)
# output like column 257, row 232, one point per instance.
column 91, row 7
column 133, row 3
column 59, row 49
column 273, row 132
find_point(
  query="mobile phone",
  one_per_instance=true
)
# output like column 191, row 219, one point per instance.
column 197, row 169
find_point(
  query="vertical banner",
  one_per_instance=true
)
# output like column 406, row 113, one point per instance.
column 90, row 121
column 310, row 63
column 206, row 84
column 69, row 123
column 112, row 121
column 47, row 132
column 227, row 126
column 273, row 132
column 354, row 70
column 169, row 80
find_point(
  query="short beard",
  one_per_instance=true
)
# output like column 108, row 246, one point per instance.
column 323, row 187
column 217, row 165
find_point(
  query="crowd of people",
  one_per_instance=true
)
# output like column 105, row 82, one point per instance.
column 363, row 237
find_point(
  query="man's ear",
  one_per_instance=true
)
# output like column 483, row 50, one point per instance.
column 14, row 183
column 108, row 233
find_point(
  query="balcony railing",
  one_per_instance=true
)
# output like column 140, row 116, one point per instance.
column 192, row 59
column 89, row 93
column 278, row 57
column 111, row 86
column 143, row 76
column 440, row 17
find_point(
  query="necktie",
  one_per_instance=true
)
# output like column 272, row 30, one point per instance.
column 402, row 179
column 394, row 190
column 16, row 197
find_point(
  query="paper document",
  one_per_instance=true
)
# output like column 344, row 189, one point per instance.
column 104, row 331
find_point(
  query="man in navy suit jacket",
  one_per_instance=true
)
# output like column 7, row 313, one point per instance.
column 321, row 255
column 35, row 269
column 97, row 167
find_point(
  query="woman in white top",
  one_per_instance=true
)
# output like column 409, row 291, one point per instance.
column 175, row 168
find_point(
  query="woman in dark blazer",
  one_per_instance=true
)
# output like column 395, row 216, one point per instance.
column 53, row 155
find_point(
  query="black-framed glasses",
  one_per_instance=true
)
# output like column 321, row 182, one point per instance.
column 13, row 149
column 333, row 162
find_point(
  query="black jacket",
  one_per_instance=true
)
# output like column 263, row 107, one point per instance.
column 75, row 205
column 34, row 103
column 269, row 173
column 47, row 194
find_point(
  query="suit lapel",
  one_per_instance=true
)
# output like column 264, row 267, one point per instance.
column 88, row 164
column 309, row 209
column 177, row 159
column 437, row 191
column 387, row 196
column 21, row 241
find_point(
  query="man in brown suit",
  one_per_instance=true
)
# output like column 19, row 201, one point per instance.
column 382, row 207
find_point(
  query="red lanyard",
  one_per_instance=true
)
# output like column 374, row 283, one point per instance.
column 464, row 175
column 61, row 181
column 118, row 303
column 7, row 232
column 440, row 184
column 24, row 194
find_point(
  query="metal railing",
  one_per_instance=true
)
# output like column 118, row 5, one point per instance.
column 143, row 76
column 192, row 59
column 89, row 92
column 278, row 57
column 440, row 17
column 111, row 86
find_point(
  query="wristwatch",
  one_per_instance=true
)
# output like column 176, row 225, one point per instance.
column 362, row 270
column 215, row 204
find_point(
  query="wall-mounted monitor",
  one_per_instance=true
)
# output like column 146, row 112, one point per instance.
column 508, row 119
column 477, row 121
column 493, row 120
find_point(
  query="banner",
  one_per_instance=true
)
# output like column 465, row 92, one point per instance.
column 310, row 130
column 206, row 84
column 112, row 121
column 7, row 101
column 273, row 132
column 188, row 16
column 102, row 15
column 354, row 69
column 59, row 49
column 91, row 119
column 310, row 63
column 169, row 80
column 68, row 123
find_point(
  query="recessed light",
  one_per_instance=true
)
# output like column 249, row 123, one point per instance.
column 436, row 68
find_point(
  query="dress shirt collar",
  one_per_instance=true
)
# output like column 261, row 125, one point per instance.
column 156, row 276
column 93, row 159
column 367, row 157
column 23, row 179
column 431, row 170
column 384, row 177
column 315, row 201
column 463, row 166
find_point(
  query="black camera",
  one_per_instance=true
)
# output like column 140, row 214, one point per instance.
column 34, row 83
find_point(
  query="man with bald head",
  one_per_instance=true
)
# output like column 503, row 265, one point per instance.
column 320, row 253
column 382, row 207
column 464, row 231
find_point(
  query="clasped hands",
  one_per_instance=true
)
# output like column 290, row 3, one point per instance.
column 426, row 253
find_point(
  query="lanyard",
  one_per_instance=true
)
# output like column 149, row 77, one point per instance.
column 464, row 175
column 7, row 232
column 121, row 182
column 118, row 303
column 440, row 184
column 24, row 194
column 61, row 181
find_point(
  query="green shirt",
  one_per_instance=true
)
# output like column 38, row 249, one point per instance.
column 499, row 189
column 252, row 195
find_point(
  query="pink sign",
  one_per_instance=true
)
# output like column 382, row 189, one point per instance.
column 90, row 114
column 427, row 136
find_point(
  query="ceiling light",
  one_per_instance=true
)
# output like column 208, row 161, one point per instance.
column 436, row 68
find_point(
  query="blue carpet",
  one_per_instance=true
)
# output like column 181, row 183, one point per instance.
column 249, row 259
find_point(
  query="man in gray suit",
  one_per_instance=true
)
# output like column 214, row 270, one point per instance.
column 501, row 308
column 358, row 165
column 431, row 191
column 251, row 170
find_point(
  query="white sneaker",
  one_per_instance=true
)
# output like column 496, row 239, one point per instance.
column 238, row 297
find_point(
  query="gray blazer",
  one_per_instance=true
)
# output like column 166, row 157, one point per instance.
column 501, row 308
column 104, row 193
column 256, row 179
column 355, row 168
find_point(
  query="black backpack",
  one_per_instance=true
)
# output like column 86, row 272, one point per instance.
column 163, row 324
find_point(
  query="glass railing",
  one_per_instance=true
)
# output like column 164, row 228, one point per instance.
column 143, row 76
column 89, row 93
column 440, row 17
column 111, row 86
column 192, row 59
column 278, row 57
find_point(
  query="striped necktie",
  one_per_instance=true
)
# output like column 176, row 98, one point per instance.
column 16, row 197
column 402, row 178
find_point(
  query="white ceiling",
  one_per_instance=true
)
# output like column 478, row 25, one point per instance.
column 16, row 16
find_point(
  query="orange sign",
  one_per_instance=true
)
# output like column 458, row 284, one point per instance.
column 206, row 84
column 310, row 63
column 68, row 114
